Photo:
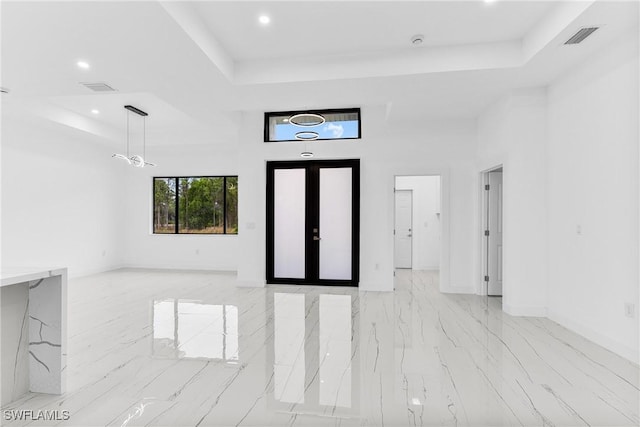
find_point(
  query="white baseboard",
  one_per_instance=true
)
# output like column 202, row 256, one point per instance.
column 73, row 274
column 178, row 268
column 524, row 311
column 376, row 286
column 457, row 290
column 427, row 268
column 250, row 283
column 616, row 347
column 619, row 348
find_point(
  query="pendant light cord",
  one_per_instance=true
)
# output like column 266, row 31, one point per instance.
column 135, row 160
column 144, row 137
column 127, row 134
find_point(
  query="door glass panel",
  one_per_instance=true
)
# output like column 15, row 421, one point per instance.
column 289, row 223
column 335, row 223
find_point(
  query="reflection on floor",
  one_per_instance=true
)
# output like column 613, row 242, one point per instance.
column 186, row 329
column 190, row 349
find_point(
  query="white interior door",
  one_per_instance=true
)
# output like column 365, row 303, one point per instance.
column 403, row 228
column 494, row 225
column 335, row 223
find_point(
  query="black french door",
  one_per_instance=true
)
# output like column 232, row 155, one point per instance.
column 313, row 222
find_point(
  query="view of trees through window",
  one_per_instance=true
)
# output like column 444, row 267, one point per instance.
column 164, row 200
column 195, row 205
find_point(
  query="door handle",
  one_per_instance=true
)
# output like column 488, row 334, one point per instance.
column 409, row 235
column 317, row 238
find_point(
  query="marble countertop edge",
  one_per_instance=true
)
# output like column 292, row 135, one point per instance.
column 14, row 275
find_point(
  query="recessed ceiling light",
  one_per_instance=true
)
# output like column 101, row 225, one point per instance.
column 264, row 19
column 94, row 111
column 489, row 1
column 83, row 64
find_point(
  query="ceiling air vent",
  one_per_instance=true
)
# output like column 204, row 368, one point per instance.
column 582, row 34
column 98, row 87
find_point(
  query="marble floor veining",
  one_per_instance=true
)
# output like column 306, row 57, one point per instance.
column 170, row 348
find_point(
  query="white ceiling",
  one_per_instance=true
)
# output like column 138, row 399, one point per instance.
column 302, row 29
column 193, row 66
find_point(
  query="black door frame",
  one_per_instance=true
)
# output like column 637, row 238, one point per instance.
column 312, row 207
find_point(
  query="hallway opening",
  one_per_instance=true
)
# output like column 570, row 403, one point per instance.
column 417, row 223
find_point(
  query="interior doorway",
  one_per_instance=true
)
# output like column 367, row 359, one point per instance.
column 417, row 222
column 313, row 222
column 492, row 233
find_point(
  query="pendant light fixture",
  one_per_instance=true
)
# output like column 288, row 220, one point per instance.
column 306, row 120
column 136, row 160
column 306, row 153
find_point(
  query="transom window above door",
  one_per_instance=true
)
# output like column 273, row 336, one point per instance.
column 312, row 125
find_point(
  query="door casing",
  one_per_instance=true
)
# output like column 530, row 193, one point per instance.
column 491, row 269
column 494, row 239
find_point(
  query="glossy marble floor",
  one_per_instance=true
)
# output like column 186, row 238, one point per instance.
column 190, row 349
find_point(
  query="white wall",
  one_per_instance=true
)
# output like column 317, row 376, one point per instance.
column 200, row 252
column 67, row 202
column 593, row 184
column 426, row 220
column 62, row 199
column 570, row 156
column 513, row 133
column 445, row 148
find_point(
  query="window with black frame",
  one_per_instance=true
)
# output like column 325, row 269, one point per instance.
column 312, row 125
column 195, row 205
